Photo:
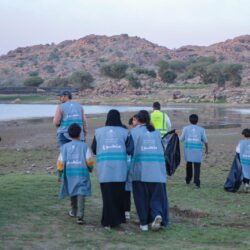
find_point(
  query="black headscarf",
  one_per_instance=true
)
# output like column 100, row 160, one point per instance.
column 113, row 118
column 144, row 118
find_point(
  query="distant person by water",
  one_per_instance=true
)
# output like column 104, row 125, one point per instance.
column 160, row 120
column 67, row 113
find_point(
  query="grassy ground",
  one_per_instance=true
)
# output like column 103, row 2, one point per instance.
column 32, row 217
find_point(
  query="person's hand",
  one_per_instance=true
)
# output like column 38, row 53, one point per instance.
column 178, row 132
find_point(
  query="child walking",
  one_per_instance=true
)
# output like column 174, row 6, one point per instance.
column 193, row 137
column 78, row 162
column 243, row 149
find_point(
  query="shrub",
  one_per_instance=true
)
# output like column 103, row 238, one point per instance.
column 167, row 76
column 133, row 81
column 81, row 79
column 49, row 69
column 58, row 82
column 33, row 73
column 33, row 81
column 115, row 70
column 145, row 72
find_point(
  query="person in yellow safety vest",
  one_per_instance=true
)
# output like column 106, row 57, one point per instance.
column 160, row 120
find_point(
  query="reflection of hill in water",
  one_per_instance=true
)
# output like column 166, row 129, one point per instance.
column 211, row 117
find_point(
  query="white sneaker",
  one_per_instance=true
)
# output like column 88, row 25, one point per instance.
column 144, row 228
column 127, row 215
column 107, row 228
column 246, row 188
column 156, row 225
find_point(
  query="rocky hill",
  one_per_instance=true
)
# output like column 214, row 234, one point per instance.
column 92, row 52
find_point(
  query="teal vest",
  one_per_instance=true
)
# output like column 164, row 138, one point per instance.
column 76, row 179
column 148, row 163
column 111, row 155
column 194, row 137
column 72, row 113
column 245, row 158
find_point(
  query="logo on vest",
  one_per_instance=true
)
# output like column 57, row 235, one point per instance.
column 113, row 146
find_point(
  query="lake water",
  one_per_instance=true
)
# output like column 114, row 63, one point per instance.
column 26, row 111
column 211, row 116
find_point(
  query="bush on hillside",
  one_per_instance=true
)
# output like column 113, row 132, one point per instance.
column 133, row 81
column 33, row 81
column 115, row 70
column 81, row 79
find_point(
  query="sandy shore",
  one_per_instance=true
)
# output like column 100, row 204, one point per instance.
column 27, row 143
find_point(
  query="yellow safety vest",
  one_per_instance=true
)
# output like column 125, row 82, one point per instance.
column 158, row 119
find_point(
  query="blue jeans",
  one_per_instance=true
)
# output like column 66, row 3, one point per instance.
column 61, row 139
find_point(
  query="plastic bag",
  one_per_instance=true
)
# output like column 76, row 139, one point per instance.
column 234, row 178
column 171, row 145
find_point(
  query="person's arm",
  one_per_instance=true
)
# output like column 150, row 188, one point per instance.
column 57, row 117
column 93, row 146
column 204, row 139
column 85, row 125
column 168, row 123
column 130, row 145
column 182, row 137
column 238, row 148
column 206, row 148
column 89, row 160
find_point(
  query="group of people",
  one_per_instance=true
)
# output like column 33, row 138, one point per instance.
column 128, row 159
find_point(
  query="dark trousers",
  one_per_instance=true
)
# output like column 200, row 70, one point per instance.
column 189, row 172
column 127, row 201
column 113, row 212
column 245, row 180
column 61, row 139
column 78, row 205
column 151, row 200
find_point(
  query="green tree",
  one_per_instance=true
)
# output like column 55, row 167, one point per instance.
column 145, row 71
column 33, row 81
column 133, row 81
column 81, row 79
column 167, row 76
column 115, row 70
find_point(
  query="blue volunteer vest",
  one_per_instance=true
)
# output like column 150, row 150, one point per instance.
column 76, row 179
column 72, row 113
column 194, row 137
column 148, row 163
column 111, row 155
column 245, row 158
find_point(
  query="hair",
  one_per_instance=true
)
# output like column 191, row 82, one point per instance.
column 74, row 130
column 144, row 118
column 130, row 121
column 157, row 105
column 193, row 119
column 246, row 132
column 114, row 118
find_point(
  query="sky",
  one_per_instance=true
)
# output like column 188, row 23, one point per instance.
column 170, row 23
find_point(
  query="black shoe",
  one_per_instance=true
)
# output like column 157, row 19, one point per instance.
column 79, row 221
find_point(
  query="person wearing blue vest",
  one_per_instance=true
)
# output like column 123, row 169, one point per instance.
column 243, row 149
column 148, row 174
column 68, row 112
column 193, row 137
column 77, row 161
column 109, row 145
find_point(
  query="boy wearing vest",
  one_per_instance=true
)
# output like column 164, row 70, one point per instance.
column 243, row 149
column 67, row 113
column 160, row 120
column 77, row 162
column 148, row 174
column 193, row 137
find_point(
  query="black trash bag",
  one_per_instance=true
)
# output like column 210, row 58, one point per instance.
column 171, row 145
column 234, row 178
